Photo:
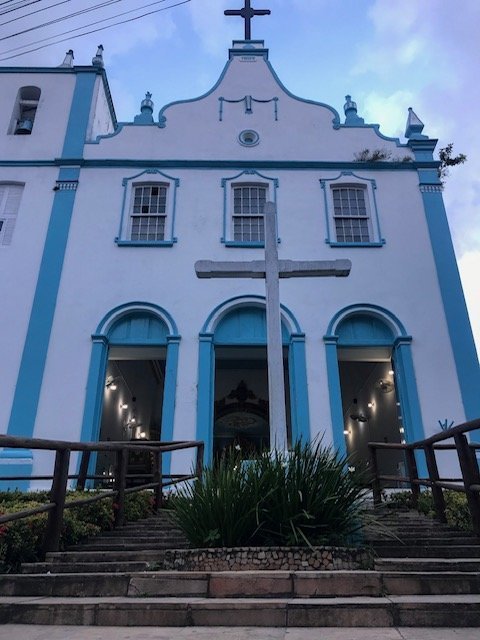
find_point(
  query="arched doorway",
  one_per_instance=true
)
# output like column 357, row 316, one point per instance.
column 132, row 381
column 373, row 394
column 232, row 406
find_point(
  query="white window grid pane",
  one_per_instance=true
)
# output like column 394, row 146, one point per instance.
column 148, row 228
column 150, row 199
column 148, row 219
column 249, row 200
column 248, row 229
column 352, row 230
column 247, row 219
column 350, row 215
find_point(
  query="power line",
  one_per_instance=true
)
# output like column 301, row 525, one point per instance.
column 60, row 19
column 10, row 9
column 27, row 15
column 80, row 35
column 82, row 27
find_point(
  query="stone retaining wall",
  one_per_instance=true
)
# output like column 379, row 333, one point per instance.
column 266, row 558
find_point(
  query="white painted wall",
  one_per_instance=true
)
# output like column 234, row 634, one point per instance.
column 98, row 275
column 46, row 140
column 19, row 264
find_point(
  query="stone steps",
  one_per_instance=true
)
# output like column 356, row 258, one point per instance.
column 246, row 584
column 426, row 574
column 427, row 565
column 428, row 551
column 122, row 544
column 398, row 611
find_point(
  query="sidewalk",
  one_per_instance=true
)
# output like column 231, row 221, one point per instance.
column 37, row 632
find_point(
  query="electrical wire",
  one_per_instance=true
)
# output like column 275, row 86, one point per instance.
column 27, row 15
column 80, row 35
column 10, row 9
column 107, row 3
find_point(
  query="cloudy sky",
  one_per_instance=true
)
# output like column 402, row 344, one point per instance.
column 388, row 54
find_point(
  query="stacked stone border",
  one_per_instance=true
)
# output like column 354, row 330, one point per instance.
column 265, row 559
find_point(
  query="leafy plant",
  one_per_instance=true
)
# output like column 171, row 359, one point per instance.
column 303, row 498
column 456, row 506
column 446, row 161
column 22, row 540
column 374, row 155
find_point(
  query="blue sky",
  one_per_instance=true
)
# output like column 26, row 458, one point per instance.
column 388, row 54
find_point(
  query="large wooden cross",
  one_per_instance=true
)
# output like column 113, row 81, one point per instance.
column 272, row 269
column 247, row 14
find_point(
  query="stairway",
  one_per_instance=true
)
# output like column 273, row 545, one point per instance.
column 428, row 575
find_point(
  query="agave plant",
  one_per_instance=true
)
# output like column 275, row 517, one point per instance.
column 305, row 497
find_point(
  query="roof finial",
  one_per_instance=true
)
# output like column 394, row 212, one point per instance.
column 247, row 13
column 414, row 126
column 146, row 108
column 68, row 61
column 351, row 117
column 97, row 60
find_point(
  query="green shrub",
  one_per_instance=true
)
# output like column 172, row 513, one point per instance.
column 456, row 506
column 305, row 498
column 22, row 540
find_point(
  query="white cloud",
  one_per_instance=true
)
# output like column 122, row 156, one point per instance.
column 117, row 40
column 388, row 110
column 211, row 26
column 431, row 49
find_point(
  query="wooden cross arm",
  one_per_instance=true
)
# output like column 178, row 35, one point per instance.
column 286, row 268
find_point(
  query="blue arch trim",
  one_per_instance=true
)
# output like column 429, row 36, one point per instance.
column 393, row 335
column 246, row 300
column 395, row 324
column 164, row 331
column 245, row 325
column 206, row 369
column 115, row 314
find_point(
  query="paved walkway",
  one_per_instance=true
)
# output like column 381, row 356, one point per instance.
column 34, row 632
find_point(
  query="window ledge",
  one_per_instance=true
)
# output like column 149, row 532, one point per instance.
column 239, row 244
column 145, row 243
column 367, row 245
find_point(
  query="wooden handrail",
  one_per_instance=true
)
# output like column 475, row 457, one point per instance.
column 155, row 481
column 469, row 483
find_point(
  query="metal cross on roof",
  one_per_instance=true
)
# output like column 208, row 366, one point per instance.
column 247, row 13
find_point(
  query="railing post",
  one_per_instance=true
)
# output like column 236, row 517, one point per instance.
column 199, row 461
column 437, row 492
column 376, row 489
column 57, row 496
column 469, row 467
column 120, row 484
column 158, row 477
column 412, row 471
column 82, row 474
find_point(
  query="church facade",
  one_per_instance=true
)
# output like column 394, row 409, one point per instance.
column 108, row 332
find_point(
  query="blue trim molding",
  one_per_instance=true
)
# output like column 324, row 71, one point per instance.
column 460, row 331
column 344, row 178
column 152, row 176
column 237, row 180
column 385, row 330
column 32, row 365
column 144, row 318
column 292, row 336
column 79, row 115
